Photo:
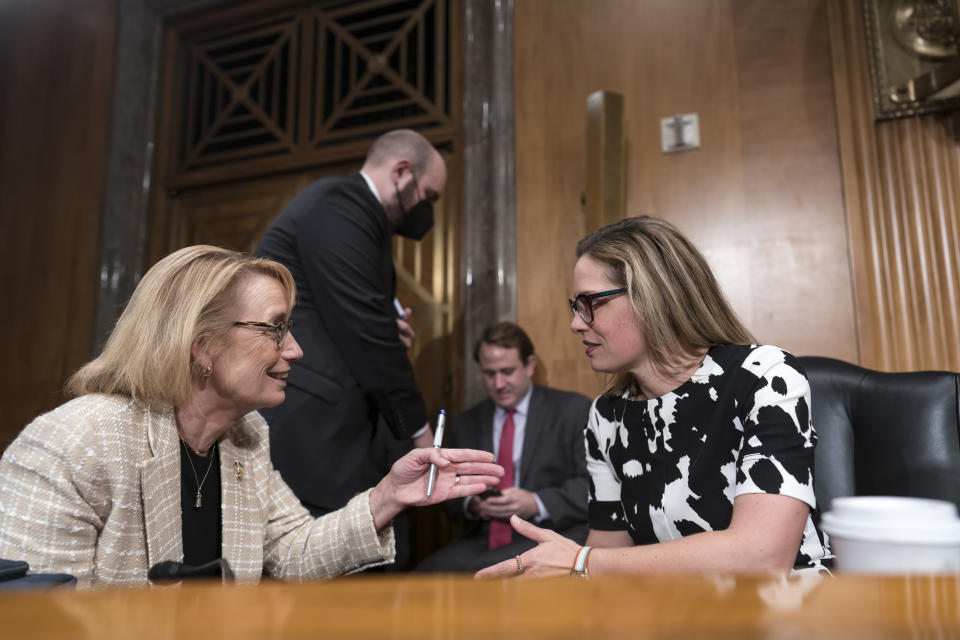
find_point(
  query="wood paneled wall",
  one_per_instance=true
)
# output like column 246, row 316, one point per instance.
column 56, row 73
column 902, row 183
column 762, row 197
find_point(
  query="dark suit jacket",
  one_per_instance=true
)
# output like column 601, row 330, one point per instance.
column 335, row 239
column 553, row 463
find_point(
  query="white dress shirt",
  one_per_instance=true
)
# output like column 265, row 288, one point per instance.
column 520, row 413
column 373, row 187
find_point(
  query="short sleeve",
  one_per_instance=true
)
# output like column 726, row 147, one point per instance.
column 605, row 508
column 778, row 438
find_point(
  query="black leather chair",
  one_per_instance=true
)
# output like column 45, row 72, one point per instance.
column 879, row 433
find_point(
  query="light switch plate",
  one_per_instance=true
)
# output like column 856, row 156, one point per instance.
column 680, row 133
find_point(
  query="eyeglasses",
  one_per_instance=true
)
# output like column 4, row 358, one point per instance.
column 278, row 329
column 583, row 304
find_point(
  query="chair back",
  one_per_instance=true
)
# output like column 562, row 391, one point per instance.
column 894, row 434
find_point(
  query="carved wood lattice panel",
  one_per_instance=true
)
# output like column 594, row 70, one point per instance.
column 299, row 81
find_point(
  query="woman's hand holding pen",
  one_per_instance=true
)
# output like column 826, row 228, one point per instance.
column 460, row 473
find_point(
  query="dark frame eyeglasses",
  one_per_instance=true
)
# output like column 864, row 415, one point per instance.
column 582, row 305
column 279, row 329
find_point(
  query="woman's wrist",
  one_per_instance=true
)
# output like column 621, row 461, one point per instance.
column 383, row 504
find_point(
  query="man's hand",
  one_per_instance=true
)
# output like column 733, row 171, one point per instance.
column 407, row 334
column 513, row 500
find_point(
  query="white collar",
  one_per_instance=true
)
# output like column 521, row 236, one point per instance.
column 372, row 187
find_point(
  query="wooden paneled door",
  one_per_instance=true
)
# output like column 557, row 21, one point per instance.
column 232, row 215
column 258, row 100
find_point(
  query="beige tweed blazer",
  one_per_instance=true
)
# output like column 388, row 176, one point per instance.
column 92, row 488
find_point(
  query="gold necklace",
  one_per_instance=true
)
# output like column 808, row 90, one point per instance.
column 198, row 498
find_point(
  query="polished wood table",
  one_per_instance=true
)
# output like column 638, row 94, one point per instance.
column 459, row 607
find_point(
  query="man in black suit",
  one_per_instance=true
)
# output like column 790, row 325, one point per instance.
column 355, row 379
column 537, row 435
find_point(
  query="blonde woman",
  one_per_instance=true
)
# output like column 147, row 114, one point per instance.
column 701, row 453
column 162, row 455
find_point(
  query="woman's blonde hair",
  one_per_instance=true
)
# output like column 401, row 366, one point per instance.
column 186, row 296
column 675, row 297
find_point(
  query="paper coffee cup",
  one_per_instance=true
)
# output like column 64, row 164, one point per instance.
column 881, row 534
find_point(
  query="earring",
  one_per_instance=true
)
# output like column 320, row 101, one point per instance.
column 207, row 371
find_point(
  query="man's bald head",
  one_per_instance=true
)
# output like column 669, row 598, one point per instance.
column 400, row 144
column 405, row 169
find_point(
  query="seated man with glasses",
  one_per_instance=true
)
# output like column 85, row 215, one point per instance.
column 537, row 435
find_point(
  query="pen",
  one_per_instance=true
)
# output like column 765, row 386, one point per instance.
column 437, row 439
column 399, row 307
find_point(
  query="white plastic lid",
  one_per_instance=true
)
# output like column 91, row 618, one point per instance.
column 893, row 519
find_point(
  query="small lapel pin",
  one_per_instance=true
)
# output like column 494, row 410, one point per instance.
column 238, row 467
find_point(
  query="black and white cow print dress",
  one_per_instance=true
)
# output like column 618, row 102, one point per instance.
column 671, row 466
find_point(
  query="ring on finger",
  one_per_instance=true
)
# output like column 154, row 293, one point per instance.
column 456, row 480
column 519, row 566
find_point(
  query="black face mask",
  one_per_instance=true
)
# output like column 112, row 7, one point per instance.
column 418, row 220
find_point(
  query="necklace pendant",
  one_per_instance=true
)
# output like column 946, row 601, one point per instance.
column 198, row 500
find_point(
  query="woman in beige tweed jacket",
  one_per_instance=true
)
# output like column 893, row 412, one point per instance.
column 93, row 488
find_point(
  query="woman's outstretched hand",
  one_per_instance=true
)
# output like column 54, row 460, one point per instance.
column 554, row 555
column 460, row 473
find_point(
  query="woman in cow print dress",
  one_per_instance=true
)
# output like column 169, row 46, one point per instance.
column 701, row 453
